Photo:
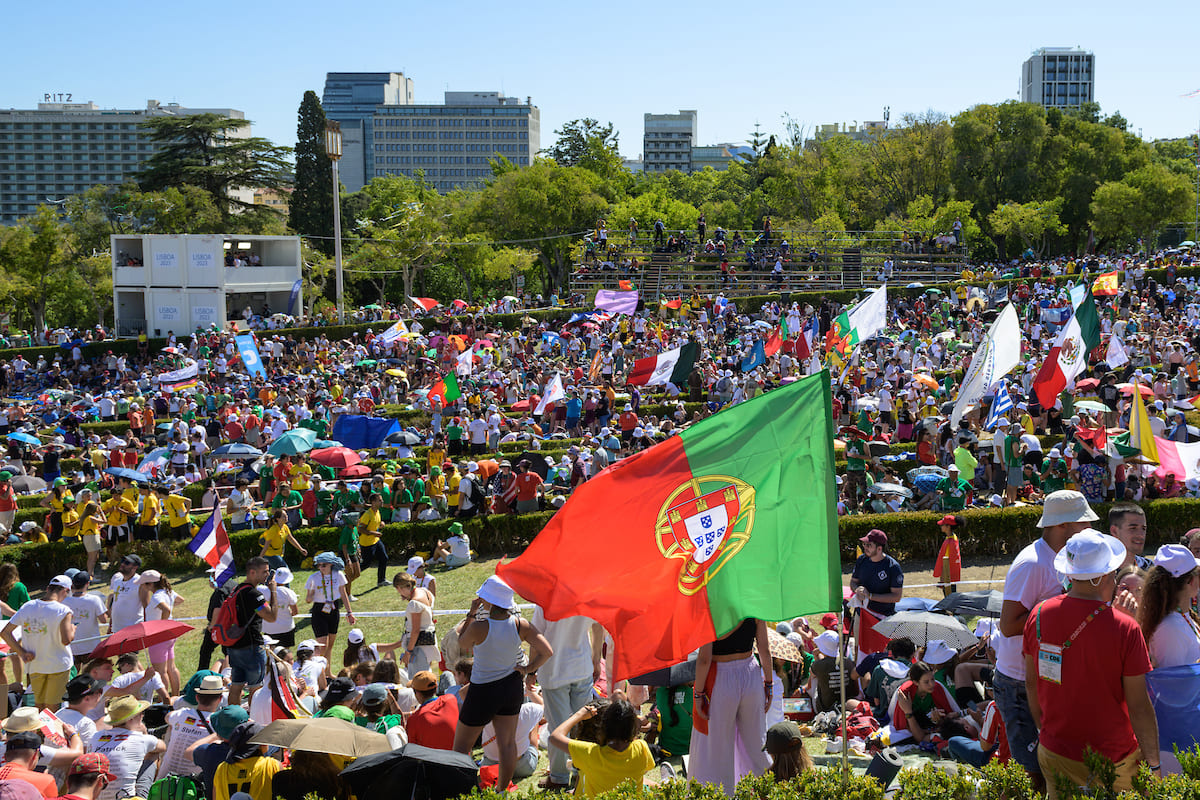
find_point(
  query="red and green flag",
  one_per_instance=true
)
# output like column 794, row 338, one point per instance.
column 1068, row 357
column 674, row 547
column 446, row 388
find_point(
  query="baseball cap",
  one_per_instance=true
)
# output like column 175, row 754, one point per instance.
column 80, row 580
column 374, row 695
column 62, row 581
column 1175, row 559
column 952, row 520
column 782, row 736
column 339, row 689
column 92, row 764
column 829, row 620
column 28, row 740
column 132, row 558
column 875, row 536
column 81, row 686
column 423, row 681
column 355, row 636
column 150, row 576
column 414, row 564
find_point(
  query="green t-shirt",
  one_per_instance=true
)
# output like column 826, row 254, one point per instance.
column 1054, row 478
column 346, row 498
column 453, row 433
column 1012, row 443
column 674, row 737
column 381, row 725
column 18, row 596
column 856, row 450
column 292, row 498
column 954, row 493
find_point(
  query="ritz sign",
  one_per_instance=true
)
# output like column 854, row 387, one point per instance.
column 57, row 97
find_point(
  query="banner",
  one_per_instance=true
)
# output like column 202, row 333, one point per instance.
column 294, row 298
column 996, row 356
column 249, row 353
column 190, row 370
column 393, row 333
column 617, row 302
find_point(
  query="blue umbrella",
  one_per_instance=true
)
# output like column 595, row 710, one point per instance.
column 131, row 474
column 293, row 442
column 238, row 450
column 25, row 438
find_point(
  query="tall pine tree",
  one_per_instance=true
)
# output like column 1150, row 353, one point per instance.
column 311, row 205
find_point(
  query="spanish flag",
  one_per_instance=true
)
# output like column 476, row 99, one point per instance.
column 1105, row 284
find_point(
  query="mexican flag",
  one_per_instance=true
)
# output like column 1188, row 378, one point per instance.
column 1068, row 357
column 446, row 388
column 673, row 547
column 673, row 366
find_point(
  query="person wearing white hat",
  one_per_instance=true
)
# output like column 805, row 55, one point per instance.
column 47, row 630
column 498, row 675
column 283, row 628
column 416, row 568
column 824, row 670
column 1163, row 610
column 1085, row 668
column 158, row 600
column 1031, row 579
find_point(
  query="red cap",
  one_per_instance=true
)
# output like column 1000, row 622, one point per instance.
column 875, row 536
column 829, row 620
column 951, row 520
column 92, row 764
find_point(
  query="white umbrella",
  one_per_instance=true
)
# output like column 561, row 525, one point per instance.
column 923, row 627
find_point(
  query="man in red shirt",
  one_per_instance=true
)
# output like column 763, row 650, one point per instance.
column 529, row 484
column 434, row 721
column 8, row 502
column 628, row 421
column 1085, row 671
column 20, row 757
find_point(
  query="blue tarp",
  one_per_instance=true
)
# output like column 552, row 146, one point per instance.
column 1175, row 695
column 360, row 432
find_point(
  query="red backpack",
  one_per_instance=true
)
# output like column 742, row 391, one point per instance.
column 226, row 629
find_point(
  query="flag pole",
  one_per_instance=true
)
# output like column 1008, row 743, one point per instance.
column 842, row 676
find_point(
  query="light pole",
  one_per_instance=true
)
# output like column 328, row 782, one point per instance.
column 333, row 149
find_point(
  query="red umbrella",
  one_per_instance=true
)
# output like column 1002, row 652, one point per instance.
column 132, row 638
column 336, row 457
column 356, row 471
column 1127, row 389
column 1087, row 384
column 526, row 405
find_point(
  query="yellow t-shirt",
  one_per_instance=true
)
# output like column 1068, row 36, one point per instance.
column 150, row 508
column 435, row 458
column 56, row 504
column 117, row 510
column 132, row 494
column 70, row 521
column 177, row 511
column 301, row 477
column 251, row 775
column 273, row 539
column 452, row 481
column 603, row 768
column 368, row 527
column 436, row 487
column 89, row 527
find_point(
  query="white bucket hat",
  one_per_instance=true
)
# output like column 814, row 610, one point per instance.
column 937, row 652
column 1065, row 506
column 827, row 643
column 1090, row 554
column 495, row 591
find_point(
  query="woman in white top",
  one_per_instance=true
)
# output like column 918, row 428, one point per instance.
column 1165, row 606
column 326, row 590
column 158, row 602
column 419, row 640
column 283, row 629
column 498, row 676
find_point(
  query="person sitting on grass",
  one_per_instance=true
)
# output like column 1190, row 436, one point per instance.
column 785, row 746
column 623, row 756
column 455, row 551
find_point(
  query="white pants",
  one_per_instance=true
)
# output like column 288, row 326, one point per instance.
column 737, row 727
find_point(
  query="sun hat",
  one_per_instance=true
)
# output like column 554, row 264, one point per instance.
column 953, row 520
column 782, row 737
column 92, row 764
column 455, row 528
column 827, row 643
column 496, row 592
column 211, row 684
column 227, row 720
column 329, row 558
column 1175, row 559
column 414, row 564
column 1065, row 506
column 937, row 652
column 423, row 681
column 26, row 718
column 80, row 687
column 374, row 695
column 283, row 576
column 1090, row 554
column 150, row 576
column 984, row 627
column 355, row 636
column 783, row 628
column 875, row 536
column 124, row 708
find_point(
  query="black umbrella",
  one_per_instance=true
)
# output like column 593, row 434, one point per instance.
column 403, row 437
column 413, row 773
column 28, row 483
column 674, row 675
column 982, row 603
column 537, row 462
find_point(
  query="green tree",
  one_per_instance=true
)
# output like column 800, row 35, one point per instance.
column 547, row 207
column 104, row 211
column 588, row 144
column 208, row 151
column 1141, row 203
column 402, row 233
column 36, row 254
column 310, row 209
column 1031, row 223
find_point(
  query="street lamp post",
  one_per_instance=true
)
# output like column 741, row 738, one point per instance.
column 333, row 149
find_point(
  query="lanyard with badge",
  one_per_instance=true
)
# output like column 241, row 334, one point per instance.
column 1050, row 656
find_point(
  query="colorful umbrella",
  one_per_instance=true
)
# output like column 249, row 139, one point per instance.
column 136, row 637
column 293, row 442
column 1127, row 389
column 356, row 471
column 336, row 457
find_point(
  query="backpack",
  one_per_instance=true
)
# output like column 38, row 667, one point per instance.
column 226, row 629
column 176, row 787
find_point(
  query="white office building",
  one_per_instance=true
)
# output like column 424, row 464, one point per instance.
column 164, row 283
column 1059, row 77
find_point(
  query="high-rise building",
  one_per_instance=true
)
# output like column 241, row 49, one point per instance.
column 1058, row 77
column 667, row 141
column 453, row 143
column 351, row 99
column 63, row 149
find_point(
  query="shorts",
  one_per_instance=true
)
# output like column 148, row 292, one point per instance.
column 113, row 534
column 145, row 533
column 180, row 532
column 48, row 688
column 91, row 543
column 286, row 639
column 246, row 666
column 326, row 623
column 499, row 698
column 453, row 561
column 161, row 653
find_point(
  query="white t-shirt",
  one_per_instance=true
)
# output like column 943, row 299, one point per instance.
column 310, row 671
column 184, row 727
column 285, row 598
column 1175, row 642
column 40, row 624
column 84, row 725
column 527, row 719
column 1031, row 579
column 126, row 605
column 477, row 428
column 160, row 598
column 571, row 640
column 126, row 750
column 86, row 610
column 325, row 590
column 460, row 545
column 149, row 688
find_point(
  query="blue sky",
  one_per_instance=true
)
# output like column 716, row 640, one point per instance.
column 736, row 64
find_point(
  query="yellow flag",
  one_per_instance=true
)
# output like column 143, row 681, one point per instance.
column 1140, row 435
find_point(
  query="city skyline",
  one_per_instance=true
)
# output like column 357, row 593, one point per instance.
column 836, row 66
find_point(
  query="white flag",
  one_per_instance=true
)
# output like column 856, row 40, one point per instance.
column 870, row 316
column 1116, row 355
column 465, row 364
column 554, row 393
column 998, row 353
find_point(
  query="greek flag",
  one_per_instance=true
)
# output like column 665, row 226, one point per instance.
column 1001, row 404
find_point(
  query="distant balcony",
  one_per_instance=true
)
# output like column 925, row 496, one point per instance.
column 248, row 277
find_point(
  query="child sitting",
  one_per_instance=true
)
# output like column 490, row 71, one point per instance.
column 623, row 756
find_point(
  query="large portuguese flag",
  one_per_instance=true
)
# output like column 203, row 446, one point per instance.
column 673, row 547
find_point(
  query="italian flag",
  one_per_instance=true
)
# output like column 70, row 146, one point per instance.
column 1068, row 357
column 733, row 518
column 446, row 388
column 672, row 366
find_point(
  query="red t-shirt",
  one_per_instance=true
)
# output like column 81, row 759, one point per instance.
column 527, row 485
column 432, row 725
column 1087, row 709
column 994, row 731
column 8, row 500
column 629, row 420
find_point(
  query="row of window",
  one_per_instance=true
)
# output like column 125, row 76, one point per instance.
column 454, row 111
column 62, row 126
column 451, row 123
column 481, row 135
